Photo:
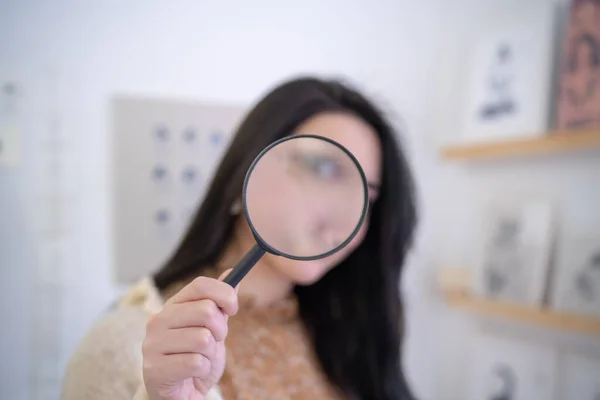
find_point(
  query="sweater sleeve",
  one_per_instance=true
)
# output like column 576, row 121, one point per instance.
column 107, row 365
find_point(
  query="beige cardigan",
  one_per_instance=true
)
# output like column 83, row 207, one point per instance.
column 107, row 365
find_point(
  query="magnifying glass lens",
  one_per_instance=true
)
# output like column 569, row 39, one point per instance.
column 305, row 197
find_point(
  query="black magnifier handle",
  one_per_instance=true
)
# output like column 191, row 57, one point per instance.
column 244, row 265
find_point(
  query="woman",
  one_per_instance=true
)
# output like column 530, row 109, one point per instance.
column 324, row 329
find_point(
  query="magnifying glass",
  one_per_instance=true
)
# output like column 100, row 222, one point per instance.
column 305, row 197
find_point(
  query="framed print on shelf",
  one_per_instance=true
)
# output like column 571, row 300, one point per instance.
column 509, row 79
column 578, row 105
column 516, row 254
column 576, row 286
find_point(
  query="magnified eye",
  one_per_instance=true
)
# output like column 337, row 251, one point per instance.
column 322, row 166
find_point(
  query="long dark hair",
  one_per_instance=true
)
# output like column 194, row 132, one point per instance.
column 354, row 313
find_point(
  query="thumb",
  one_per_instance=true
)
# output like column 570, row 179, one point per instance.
column 224, row 275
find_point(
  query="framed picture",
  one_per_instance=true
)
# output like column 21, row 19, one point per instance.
column 505, row 369
column 579, row 82
column 581, row 378
column 577, row 279
column 509, row 79
column 515, row 257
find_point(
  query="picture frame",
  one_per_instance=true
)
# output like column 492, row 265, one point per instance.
column 576, row 286
column 578, row 102
column 516, row 254
column 509, row 78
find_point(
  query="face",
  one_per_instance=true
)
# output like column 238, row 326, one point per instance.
column 320, row 183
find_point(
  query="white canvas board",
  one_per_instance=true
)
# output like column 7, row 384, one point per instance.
column 516, row 254
column 165, row 153
column 576, row 285
column 509, row 78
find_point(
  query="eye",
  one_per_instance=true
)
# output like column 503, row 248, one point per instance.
column 324, row 167
column 321, row 166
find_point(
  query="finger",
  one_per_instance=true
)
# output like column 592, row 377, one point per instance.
column 195, row 314
column 188, row 340
column 200, row 314
column 208, row 288
column 177, row 367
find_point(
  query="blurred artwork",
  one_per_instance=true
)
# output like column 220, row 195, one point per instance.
column 516, row 253
column 9, row 125
column 579, row 82
column 165, row 152
column 499, row 99
column 502, row 382
column 503, row 369
column 577, row 282
column 509, row 80
column 581, row 378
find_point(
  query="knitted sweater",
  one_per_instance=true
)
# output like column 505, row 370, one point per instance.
column 108, row 362
column 268, row 354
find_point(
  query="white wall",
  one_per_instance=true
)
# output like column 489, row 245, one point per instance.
column 214, row 50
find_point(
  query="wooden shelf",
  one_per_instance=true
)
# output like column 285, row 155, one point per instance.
column 552, row 142
column 531, row 315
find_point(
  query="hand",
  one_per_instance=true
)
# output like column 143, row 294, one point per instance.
column 184, row 350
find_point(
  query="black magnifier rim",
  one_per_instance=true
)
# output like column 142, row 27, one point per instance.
column 262, row 243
